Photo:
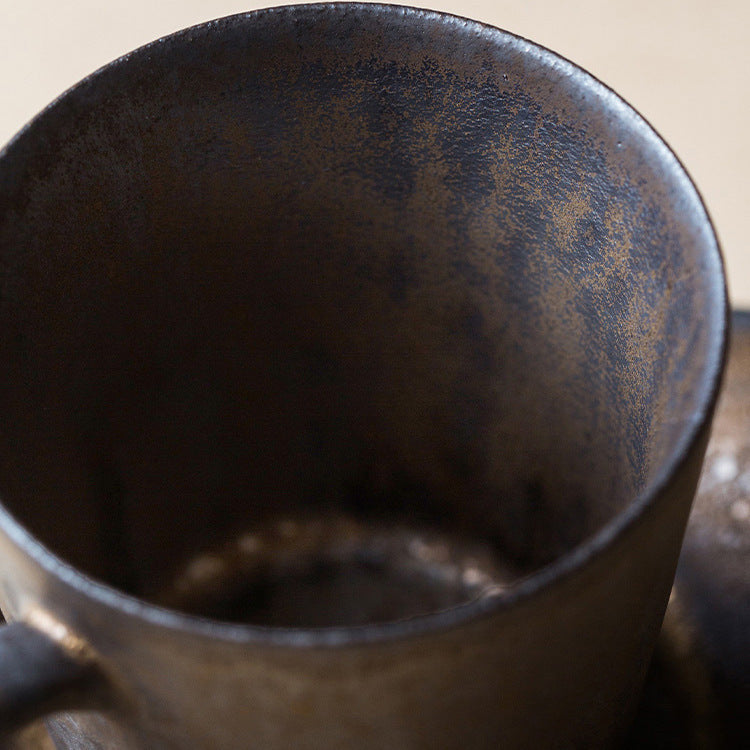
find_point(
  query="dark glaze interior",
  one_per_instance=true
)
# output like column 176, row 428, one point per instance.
column 328, row 266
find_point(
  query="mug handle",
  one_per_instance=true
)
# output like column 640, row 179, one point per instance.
column 41, row 673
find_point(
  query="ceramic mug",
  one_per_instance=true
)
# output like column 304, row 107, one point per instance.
column 357, row 369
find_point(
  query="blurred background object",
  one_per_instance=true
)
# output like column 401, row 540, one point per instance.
column 683, row 64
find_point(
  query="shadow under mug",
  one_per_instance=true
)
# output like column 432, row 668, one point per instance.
column 357, row 369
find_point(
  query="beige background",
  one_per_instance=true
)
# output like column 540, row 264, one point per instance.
column 684, row 64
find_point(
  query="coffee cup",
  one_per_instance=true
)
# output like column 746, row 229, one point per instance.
column 358, row 364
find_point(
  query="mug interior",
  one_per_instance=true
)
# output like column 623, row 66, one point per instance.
column 349, row 277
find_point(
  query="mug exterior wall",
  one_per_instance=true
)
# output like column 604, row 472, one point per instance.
column 560, row 668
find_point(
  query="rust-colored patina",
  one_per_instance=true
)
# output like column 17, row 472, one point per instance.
column 350, row 267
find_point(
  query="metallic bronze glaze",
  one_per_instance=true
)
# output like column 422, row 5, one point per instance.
column 359, row 260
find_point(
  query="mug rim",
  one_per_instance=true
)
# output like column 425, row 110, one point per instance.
column 543, row 578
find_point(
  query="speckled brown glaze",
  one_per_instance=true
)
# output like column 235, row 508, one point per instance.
column 370, row 260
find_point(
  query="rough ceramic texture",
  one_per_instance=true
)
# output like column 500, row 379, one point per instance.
column 361, row 260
